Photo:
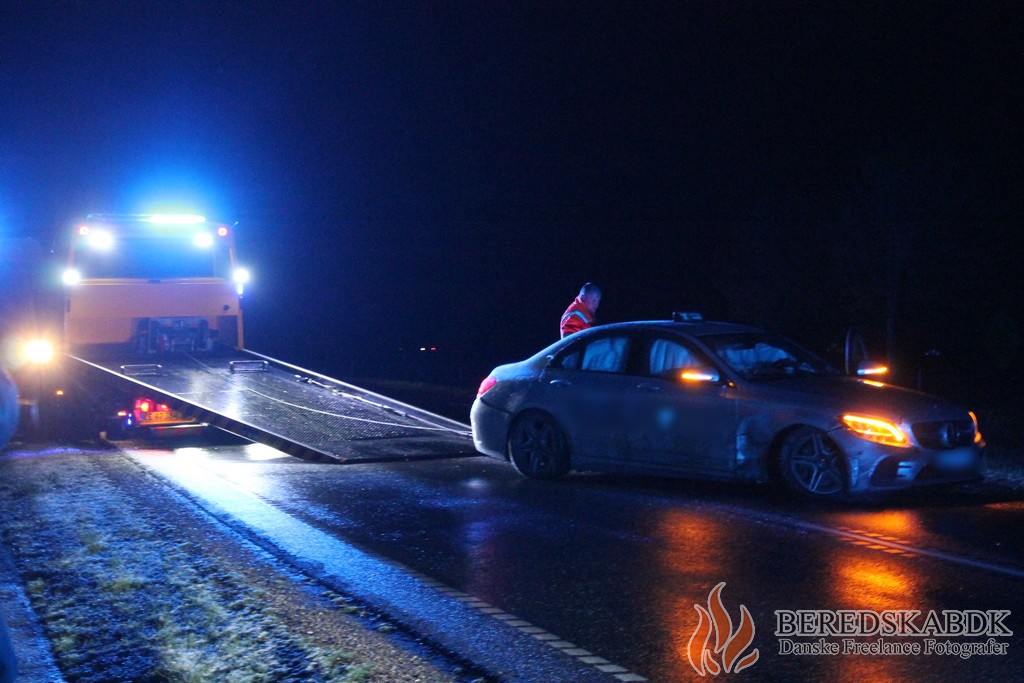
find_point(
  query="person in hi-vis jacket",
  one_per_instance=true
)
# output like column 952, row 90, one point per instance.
column 580, row 314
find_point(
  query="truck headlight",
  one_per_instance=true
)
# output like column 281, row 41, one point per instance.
column 37, row 351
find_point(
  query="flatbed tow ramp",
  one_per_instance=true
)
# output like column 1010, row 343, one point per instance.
column 300, row 412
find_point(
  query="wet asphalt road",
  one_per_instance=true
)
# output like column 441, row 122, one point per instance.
column 615, row 565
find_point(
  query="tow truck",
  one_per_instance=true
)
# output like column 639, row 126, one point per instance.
column 153, row 339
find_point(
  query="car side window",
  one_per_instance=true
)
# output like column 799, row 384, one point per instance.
column 607, row 354
column 750, row 360
column 570, row 361
column 668, row 356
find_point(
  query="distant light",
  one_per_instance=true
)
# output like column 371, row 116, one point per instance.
column 423, row 348
column 872, row 383
column 203, row 240
column 175, row 219
column 58, row 392
column 83, row 230
column 241, row 276
column 222, row 231
column 71, row 277
column 101, row 239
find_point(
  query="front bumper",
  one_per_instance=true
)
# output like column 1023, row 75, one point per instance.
column 873, row 467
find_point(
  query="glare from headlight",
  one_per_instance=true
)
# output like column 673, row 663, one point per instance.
column 38, row 351
column 101, row 240
column 72, row 276
column 877, row 430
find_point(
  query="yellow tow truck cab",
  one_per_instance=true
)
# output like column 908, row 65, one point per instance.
column 149, row 284
column 140, row 287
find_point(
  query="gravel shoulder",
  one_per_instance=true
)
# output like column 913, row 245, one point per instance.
column 130, row 582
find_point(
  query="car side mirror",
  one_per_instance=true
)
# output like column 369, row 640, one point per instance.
column 868, row 368
column 704, row 375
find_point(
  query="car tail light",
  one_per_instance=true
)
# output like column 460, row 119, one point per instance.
column 486, row 385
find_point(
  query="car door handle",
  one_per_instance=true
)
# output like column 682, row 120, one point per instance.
column 560, row 383
column 648, row 388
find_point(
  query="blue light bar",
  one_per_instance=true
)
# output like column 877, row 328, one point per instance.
column 175, row 219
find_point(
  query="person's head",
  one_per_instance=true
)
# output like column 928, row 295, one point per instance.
column 590, row 295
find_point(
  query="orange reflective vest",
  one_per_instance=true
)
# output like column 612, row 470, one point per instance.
column 577, row 317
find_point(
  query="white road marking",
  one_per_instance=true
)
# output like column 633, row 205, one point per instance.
column 249, row 507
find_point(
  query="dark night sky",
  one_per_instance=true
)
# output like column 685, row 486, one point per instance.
column 449, row 173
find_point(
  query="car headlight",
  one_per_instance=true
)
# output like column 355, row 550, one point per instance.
column 875, row 429
column 977, row 432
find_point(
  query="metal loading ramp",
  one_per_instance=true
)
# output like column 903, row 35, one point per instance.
column 297, row 411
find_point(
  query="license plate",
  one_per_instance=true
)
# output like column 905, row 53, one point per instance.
column 956, row 459
column 163, row 417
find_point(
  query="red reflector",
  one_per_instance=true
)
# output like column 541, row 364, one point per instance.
column 486, row 385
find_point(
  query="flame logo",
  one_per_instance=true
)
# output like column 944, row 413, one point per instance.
column 729, row 644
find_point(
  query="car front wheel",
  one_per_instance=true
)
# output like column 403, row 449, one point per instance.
column 537, row 447
column 811, row 465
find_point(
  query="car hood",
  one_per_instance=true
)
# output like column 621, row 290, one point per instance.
column 846, row 394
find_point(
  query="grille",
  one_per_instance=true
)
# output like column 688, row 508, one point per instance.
column 944, row 435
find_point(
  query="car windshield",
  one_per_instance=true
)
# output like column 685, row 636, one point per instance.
column 764, row 356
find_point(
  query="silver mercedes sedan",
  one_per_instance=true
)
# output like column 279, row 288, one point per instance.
column 717, row 400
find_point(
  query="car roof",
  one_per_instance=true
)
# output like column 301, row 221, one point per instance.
column 697, row 328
